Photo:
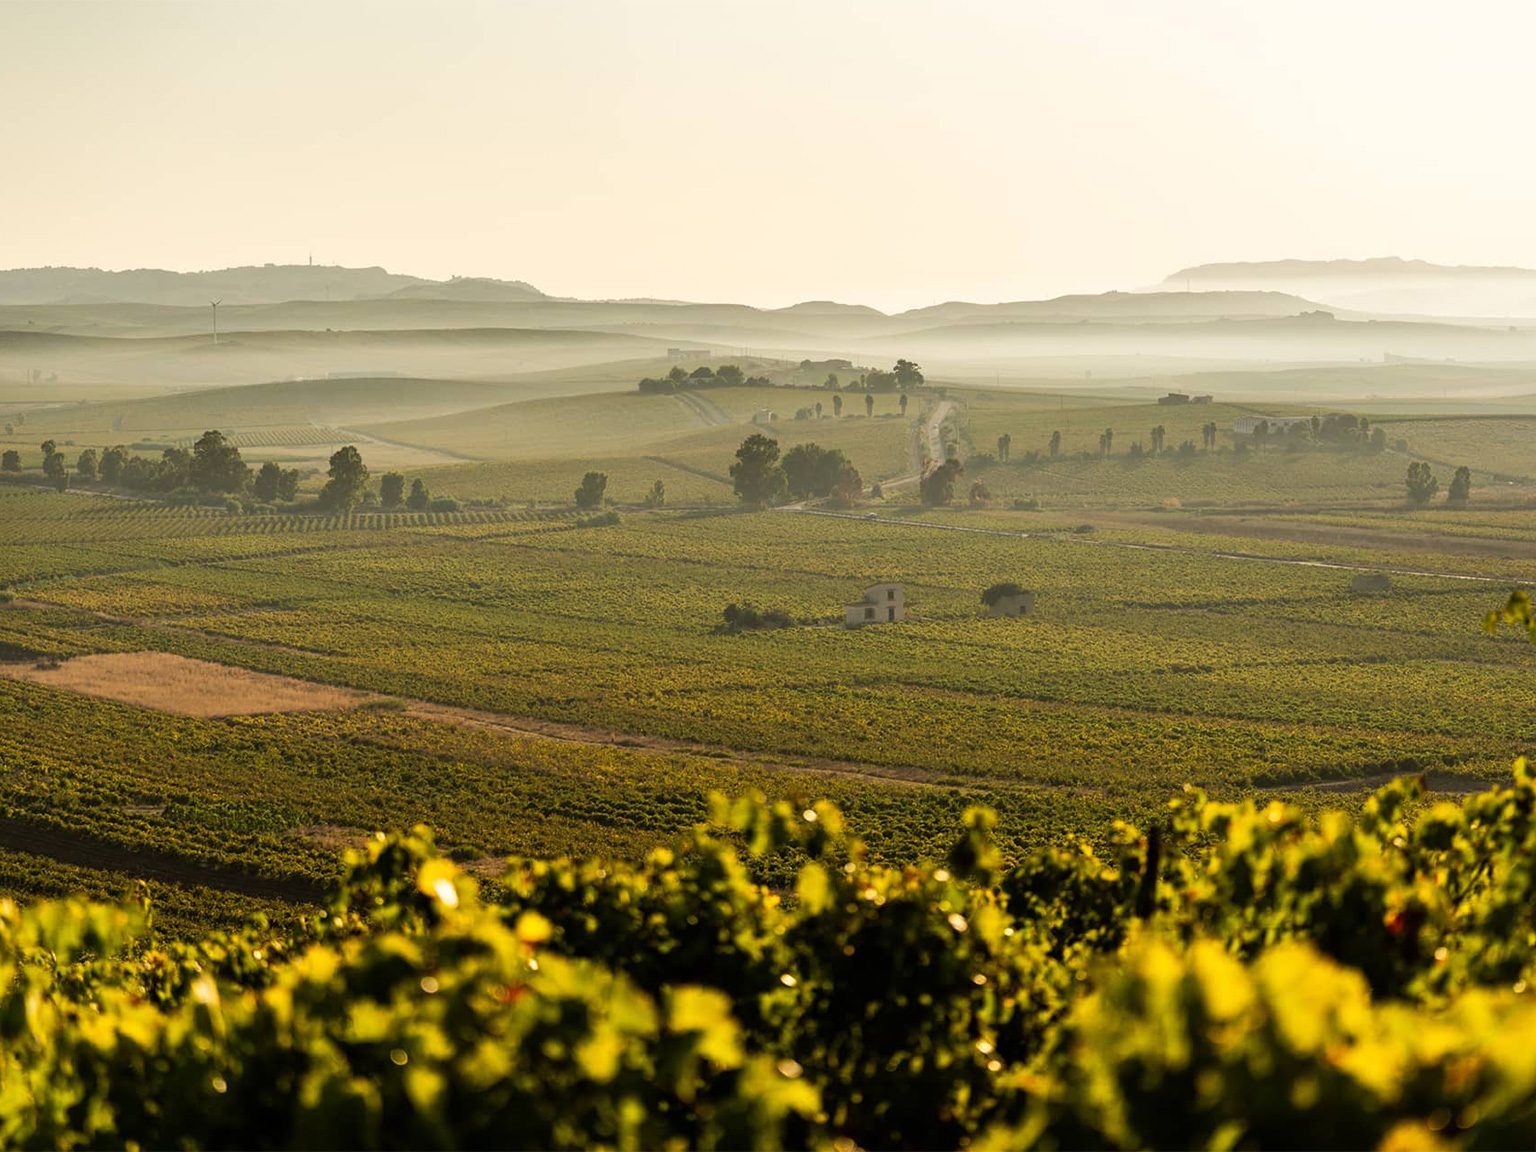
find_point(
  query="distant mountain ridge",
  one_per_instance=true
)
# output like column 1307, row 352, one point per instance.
column 1123, row 305
column 479, row 289
column 254, row 284
column 1385, row 285
column 1377, row 266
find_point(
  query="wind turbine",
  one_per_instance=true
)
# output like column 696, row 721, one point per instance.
column 214, row 304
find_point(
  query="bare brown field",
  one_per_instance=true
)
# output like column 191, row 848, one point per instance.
column 171, row 683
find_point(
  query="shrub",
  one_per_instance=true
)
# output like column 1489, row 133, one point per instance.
column 1000, row 591
column 749, row 618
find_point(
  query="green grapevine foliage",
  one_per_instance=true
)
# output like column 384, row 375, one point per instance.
column 1236, row 975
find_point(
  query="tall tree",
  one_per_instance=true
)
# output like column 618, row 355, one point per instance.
column 348, row 481
column 85, row 466
column 216, row 465
column 1055, row 444
column 54, row 467
column 811, row 470
column 1460, row 490
column 756, row 475
column 10, row 461
column 903, row 403
column 869, row 404
column 111, row 466
column 1422, row 484
column 391, row 490
column 837, row 403
column 268, row 479
column 938, row 484
column 908, row 374
column 419, row 499
column 849, row 487
column 590, row 494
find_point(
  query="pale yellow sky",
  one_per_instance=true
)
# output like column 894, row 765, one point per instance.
column 893, row 153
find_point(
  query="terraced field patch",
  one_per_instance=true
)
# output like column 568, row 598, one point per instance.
column 170, row 683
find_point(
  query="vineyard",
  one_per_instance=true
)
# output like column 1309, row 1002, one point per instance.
column 1237, row 974
column 511, row 655
column 965, row 941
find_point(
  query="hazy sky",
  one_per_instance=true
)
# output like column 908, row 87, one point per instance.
column 888, row 152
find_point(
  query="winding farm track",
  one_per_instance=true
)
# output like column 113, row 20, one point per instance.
column 705, row 410
column 703, row 473
column 442, row 454
column 930, row 435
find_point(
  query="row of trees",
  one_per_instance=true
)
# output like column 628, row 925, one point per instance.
column 1339, row 429
column 815, row 411
column 213, row 466
column 1423, row 484
column 760, row 476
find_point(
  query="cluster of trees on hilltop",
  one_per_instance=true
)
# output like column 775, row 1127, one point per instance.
column 903, row 375
column 725, row 376
column 1338, row 430
column 761, row 477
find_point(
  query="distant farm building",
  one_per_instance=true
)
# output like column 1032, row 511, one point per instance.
column 1371, row 582
column 763, row 417
column 1249, row 425
column 688, row 353
column 1013, row 604
column 1174, row 398
column 882, row 604
column 1203, row 398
